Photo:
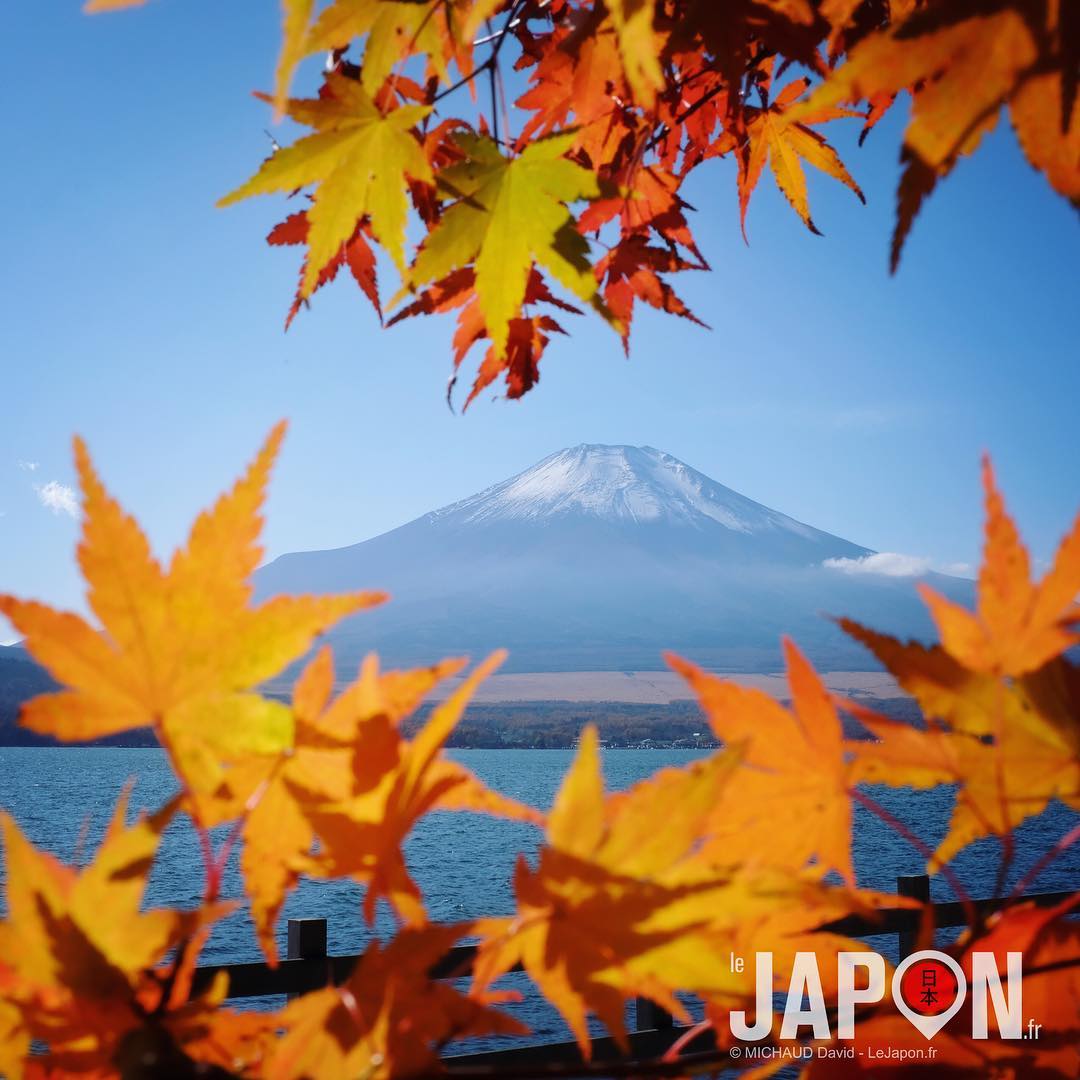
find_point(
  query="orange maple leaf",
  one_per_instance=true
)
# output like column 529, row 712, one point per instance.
column 1019, row 625
column 788, row 804
column 961, row 67
column 178, row 649
column 355, row 784
column 389, row 1019
column 355, row 253
column 618, row 908
column 78, row 961
column 777, row 135
column 1049, row 945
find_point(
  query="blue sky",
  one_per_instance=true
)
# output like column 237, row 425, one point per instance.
column 136, row 314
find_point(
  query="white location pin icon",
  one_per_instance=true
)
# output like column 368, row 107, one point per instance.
column 928, row 1025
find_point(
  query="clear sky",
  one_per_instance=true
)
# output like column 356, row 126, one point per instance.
column 136, row 314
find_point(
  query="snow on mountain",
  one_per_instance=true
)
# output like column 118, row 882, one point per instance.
column 619, row 483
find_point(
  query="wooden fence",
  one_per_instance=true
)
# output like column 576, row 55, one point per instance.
column 308, row 966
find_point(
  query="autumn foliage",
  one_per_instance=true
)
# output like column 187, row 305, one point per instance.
column 575, row 204
column 754, row 852
column 537, row 151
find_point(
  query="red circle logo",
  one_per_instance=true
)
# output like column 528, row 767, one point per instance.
column 928, row 987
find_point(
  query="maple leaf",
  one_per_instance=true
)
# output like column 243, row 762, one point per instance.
column 1019, row 625
column 631, row 271
column 1002, row 699
column 354, row 784
column 960, row 71
column 295, row 19
column 526, row 338
column 774, row 136
column 178, row 649
column 394, row 31
column 14, row 1037
column 648, row 198
column 356, row 254
column 357, row 158
column 509, row 212
column 362, row 834
column 640, row 46
column 342, row 747
column 999, row 783
column 1049, row 137
column 79, row 953
column 596, row 921
column 1050, row 947
column 371, row 1025
column 578, row 78
column 441, row 29
column 92, row 7
column 788, row 804
column 618, row 908
column 519, row 362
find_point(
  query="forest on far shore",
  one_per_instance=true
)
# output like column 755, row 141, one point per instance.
column 544, row 725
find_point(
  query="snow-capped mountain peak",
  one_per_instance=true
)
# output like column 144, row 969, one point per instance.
column 631, row 484
column 596, row 559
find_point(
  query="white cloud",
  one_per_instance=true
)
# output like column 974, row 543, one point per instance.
column 885, row 563
column 958, row 569
column 28, row 466
column 59, row 498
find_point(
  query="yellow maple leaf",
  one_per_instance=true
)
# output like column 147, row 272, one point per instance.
column 393, row 31
column 510, row 211
column 295, row 20
column 178, row 649
column 1000, row 698
column 999, row 784
column 358, row 158
column 640, row 45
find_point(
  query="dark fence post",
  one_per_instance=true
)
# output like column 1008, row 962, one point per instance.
column 917, row 887
column 307, row 941
column 649, row 1015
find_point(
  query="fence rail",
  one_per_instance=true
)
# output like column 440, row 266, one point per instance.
column 308, row 967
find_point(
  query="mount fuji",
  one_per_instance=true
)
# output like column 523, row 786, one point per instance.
column 598, row 558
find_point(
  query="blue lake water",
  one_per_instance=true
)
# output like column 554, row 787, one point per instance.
column 63, row 798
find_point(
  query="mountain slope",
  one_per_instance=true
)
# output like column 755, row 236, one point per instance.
column 598, row 558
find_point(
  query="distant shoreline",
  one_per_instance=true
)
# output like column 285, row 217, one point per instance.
column 569, row 688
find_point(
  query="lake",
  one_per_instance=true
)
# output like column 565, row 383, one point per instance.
column 63, row 798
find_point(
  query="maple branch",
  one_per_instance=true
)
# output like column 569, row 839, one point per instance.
column 206, row 849
column 899, row 827
column 1008, row 845
column 493, row 66
column 1008, row 850
column 253, row 800
column 493, row 80
column 685, row 115
column 1063, row 844
column 463, row 81
column 687, row 1037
